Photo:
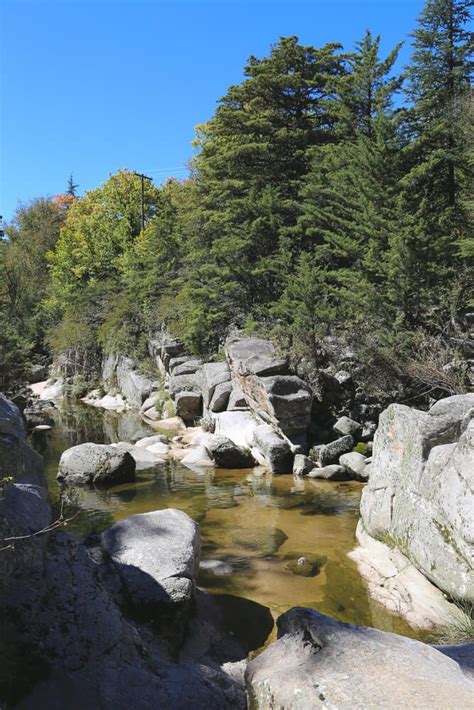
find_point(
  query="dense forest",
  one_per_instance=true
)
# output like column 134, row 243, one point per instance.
column 329, row 194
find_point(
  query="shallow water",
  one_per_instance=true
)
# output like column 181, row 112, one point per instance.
column 259, row 524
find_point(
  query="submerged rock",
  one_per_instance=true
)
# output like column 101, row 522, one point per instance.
column 96, row 463
column 321, row 663
column 334, row 472
column 307, row 565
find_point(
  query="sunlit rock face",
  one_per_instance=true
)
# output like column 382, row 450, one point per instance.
column 421, row 491
column 318, row 662
column 269, row 388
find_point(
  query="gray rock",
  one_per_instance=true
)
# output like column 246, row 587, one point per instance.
column 302, row 465
column 143, row 457
column 355, row 465
column 454, row 408
column 175, row 362
column 289, row 401
column 276, row 450
column 321, row 663
column 96, row 463
column 343, row 377
column 153, row 413
column 17, row 460
column 149, row 402
column 188, row 367
column 188, row 406
column 197, row 458
column 94, row 656
column 120, row 372
column 213, row 374
column 226, row 454
column 368, row 432
column 279, row 398
column 237, row 399
column 220, row 398
column 345, row 425
column 11, row 421
column 255, row 356
column 153, row 439
column 330, row 473
column 329, row 453
column 183, row 383
column 421, row 491
column 156, row 555
column 38, row 373
column 172, row 348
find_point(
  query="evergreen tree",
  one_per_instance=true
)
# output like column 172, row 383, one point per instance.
column 349, row 217
column 253, row 158
column 71, row 187
column 437, row 160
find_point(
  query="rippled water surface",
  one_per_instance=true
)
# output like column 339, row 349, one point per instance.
column 257, row 523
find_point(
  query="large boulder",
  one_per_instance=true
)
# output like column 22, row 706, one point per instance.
column 346, row 425
column 17, row 460
column 220, row 398
column 157, row 557
column 71, row 645
column 96, row 464
column 188, row 405
column 327, row 454
column 183, row 383
column 318, row 662
column 226, row 454
column 421, row 490
column 276, row 451
column 212, row 375
column 302, row 465
column 333, row 472
column 145, row 457
column 121, row 372
column 355, row 465
column 255, row 356
column 280, row 398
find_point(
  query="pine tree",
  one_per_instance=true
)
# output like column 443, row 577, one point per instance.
column 436, row 159
column 71, row 187
column 349, row 217
column 253, row 158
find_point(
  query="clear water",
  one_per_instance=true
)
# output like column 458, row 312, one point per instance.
column 257, row 523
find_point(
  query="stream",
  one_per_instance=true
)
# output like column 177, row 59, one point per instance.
column 258, row 524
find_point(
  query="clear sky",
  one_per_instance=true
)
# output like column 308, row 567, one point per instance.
column 92, row 86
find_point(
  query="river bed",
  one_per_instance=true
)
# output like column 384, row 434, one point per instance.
column 257, row 523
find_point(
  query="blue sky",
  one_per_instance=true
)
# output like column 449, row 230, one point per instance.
column 92, row 86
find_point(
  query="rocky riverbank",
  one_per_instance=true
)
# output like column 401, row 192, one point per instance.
column 252, row 399
column 118, row 620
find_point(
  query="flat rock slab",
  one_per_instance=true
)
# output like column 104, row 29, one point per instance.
column 321, row 663
column 156, row 555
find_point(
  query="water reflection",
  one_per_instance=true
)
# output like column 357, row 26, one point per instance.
column 256, row 524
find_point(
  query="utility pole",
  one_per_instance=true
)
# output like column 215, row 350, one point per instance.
column 143, row 178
